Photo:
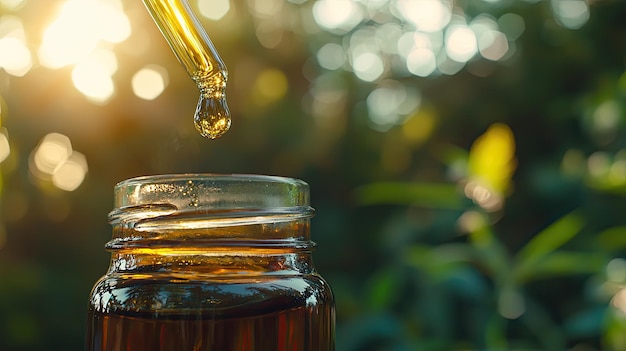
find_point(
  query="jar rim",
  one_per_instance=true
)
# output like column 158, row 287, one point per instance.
column 215, row 176
column 210, row 198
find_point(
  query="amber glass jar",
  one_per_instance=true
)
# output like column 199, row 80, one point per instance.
column 211, row 262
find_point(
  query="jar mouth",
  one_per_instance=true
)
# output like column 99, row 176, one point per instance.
column 195, row 201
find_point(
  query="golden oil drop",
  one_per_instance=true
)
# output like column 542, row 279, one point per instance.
column 195, row 51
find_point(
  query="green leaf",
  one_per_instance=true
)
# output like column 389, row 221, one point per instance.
column 540, row 323
column 491, row 253
column 383, row 287
column 550, row 239
column 440, row 261
column 561, row 264
column 613, row 238
column 434, row 195
column 613, row 336
column 495, row 333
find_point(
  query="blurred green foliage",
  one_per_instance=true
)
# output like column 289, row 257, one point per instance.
column 490, row 218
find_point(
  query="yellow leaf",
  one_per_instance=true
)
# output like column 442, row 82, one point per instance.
column 492, row 158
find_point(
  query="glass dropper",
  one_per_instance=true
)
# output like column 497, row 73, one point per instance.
column 195, row 51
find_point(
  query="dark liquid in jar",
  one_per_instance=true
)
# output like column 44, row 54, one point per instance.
column 294, row 329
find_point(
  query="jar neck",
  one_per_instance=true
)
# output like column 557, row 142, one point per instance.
column 211, row 224
column 242, row 250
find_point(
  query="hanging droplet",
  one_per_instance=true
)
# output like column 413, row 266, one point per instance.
column 212, row 118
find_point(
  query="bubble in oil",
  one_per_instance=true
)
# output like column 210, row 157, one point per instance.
column 190, row 193
column 212, row 117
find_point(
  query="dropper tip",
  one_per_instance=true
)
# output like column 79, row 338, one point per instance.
column 212, row 117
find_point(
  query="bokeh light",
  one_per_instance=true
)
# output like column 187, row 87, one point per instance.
column 149, row 82
column 571, row 14
column 331, row 56
column 266, row 8
column 483, row 196
column 619, row 300
column 339, row 16
column 54, row 160
column 512, row 25
column 93, row 76
column 461, row 43
column 70, row 174
column 367, row 65
column 15, row 57
column 270, row 86
column 390, row 103
column 616, row 270
column 5, row 147
column 605, row 119
column 426, row 15
column 493, row 45
column 387, row 36
column 52, row 151
column 599, row 164
column 79, row 28
column 12, row 4
column 421, row 62
column 215, row 9
column 419, row 37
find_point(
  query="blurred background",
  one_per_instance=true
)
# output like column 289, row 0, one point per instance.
column 467, row 158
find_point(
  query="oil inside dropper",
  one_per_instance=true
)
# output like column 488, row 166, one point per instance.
column 195, row 51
